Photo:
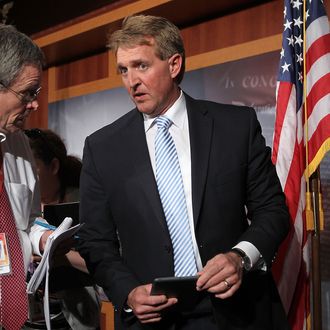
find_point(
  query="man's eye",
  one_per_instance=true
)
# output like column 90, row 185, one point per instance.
column 142, row 66
column 122, row 70
column 29, row 93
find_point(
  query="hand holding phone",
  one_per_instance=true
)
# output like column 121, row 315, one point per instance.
column 182, row 288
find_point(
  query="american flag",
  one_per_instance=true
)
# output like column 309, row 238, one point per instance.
column 292, row 130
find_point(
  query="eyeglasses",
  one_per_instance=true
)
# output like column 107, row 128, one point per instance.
column 26, row 97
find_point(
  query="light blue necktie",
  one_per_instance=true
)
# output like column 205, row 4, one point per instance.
column 170, row 187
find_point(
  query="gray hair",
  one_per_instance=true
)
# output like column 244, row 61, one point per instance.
column 139, row 29
column 16, row 51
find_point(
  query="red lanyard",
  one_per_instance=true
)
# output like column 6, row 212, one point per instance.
column 1, row 171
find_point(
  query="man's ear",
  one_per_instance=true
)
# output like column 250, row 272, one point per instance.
column 175, row 64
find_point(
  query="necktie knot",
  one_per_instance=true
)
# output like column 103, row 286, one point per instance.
column 163, row 122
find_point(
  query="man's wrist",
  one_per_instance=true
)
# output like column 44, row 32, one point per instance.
column 245, row 260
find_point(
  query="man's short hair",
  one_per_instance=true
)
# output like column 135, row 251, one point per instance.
column 146, row 29
column 16, row 51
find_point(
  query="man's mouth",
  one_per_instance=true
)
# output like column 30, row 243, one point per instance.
column 138, row 96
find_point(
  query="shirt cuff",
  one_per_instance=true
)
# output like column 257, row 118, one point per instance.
column 35, row 235
column 253, row 254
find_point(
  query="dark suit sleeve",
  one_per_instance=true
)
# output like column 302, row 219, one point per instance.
column 265, row 200
column 99, row 244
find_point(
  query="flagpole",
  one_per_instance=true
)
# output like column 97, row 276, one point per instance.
column 315, row 243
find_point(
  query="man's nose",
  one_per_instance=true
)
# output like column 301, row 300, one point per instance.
column 33, row 105
column 133, row 79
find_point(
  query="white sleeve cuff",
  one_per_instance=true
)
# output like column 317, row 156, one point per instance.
column 250, row 250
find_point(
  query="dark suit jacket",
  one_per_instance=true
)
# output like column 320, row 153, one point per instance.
column 231, row 173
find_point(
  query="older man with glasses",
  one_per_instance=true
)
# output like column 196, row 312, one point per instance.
column 20, row 77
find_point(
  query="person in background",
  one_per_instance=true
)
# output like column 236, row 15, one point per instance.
column 59, row 175
column 231, row 210
column 21, row 62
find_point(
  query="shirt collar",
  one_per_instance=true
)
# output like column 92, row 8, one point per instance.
column 177, row 113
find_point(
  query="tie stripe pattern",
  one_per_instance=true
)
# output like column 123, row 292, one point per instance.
column 171, row 191
column 13, row 296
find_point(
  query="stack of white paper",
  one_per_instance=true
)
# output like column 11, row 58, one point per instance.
column 62, row 232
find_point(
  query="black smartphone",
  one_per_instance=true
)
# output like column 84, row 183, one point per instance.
column 182, row 288
column 174, row 286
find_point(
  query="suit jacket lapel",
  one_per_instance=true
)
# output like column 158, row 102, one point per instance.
column 137, row 145
column 200, row 129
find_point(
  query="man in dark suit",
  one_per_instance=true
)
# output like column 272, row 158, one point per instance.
column 233, row 200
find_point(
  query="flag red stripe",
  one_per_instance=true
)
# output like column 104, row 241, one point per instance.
column 281, row 254
column 317, row 139
column 292, row 185
column 319, row 47
column 292, row 192
column 300, row 303
column 319, row 90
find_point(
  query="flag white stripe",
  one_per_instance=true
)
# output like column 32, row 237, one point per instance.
column 320, row 111
column 316, row 30
column 319, row 69
column 285, row 150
